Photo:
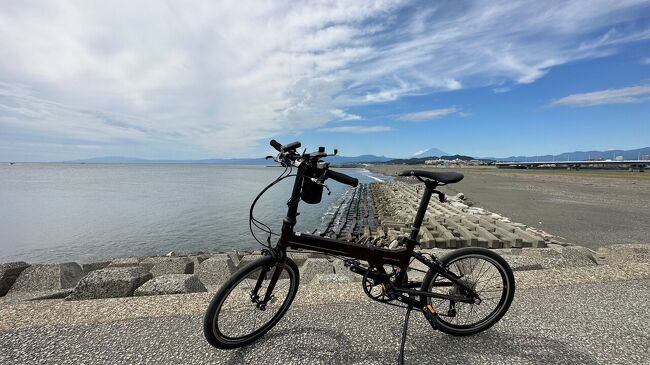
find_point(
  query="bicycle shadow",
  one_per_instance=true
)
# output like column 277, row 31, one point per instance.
column 306, row 345
column 494, row 346
column 310, row 345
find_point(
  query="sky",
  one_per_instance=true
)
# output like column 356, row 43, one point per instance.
column 203, row 79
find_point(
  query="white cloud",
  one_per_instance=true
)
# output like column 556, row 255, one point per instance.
column 342, row 115
column 626, row 95
column 356, row 129
column 646, row 61
column 427, row 115
column 217, row 78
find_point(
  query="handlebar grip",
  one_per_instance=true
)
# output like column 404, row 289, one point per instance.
column 292, row 146
column 275, row 144
column 342, row 178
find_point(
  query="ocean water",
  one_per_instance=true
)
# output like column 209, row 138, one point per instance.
column 86, row 212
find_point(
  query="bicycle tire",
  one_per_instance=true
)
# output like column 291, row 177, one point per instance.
column 214, row 334
column 505, row 300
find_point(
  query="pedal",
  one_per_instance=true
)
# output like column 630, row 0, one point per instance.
column 430, row 314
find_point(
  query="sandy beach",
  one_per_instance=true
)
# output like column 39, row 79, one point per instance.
column 589, row 208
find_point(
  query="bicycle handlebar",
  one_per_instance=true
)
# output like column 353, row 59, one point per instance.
column 342, row 178
column 288, row 154
column 275, row 144
column 280, row 148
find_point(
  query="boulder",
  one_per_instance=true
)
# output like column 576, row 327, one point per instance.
column 149, row 262
column 247, row 259
column 181, row 265
column 299, row 257
column 9, row 273
column 215, row 270
column 198, row 259
column 235, row 256
column 46, row 277
column 110, row 283
column 125, row 262
column 313, row 267
column 94, row 266
column 171, row 284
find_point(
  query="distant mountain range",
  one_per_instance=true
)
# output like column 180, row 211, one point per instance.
column 417, row 158
column 228, row 161
column 581, row 155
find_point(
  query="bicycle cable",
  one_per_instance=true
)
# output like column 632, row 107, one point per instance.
column 252, row 221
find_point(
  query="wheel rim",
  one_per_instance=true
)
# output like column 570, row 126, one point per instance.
column 488, row 279
column 239, row 318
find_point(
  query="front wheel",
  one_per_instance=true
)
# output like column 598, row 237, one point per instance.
column 488, row 274
column 235, row 317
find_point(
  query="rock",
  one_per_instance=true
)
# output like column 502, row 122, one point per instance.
column 181, row 265
column 171, row 284
column 215, row 270
column 149, row 262
column 298, row 257
column 125, row 262
column 110, row 283
column 45, row 277
column 460, row 196
column 235, row 257
column 197, row 260
column 86, row 268
column 313, row 267
column 9, row 273
column 247, row 259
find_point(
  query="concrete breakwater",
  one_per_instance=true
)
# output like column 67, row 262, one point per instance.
column 381, row 212
column 144, row 276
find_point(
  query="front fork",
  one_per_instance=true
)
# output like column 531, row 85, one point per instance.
column 281, row 259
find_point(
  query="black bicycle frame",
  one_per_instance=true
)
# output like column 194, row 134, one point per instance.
column 375, row 256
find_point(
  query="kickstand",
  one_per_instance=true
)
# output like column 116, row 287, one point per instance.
column 400, row 359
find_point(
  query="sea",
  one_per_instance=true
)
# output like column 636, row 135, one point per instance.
column 51, row 212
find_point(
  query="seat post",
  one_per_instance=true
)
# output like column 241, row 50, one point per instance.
column 422, row 209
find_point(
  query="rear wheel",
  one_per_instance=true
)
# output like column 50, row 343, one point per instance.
column 488, row 274
column 234, row 318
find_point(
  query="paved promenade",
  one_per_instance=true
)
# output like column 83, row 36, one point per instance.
column 589, row 315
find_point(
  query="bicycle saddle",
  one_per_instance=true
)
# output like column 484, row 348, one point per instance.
column 443, row 177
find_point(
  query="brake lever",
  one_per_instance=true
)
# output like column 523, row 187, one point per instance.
column 267, row 157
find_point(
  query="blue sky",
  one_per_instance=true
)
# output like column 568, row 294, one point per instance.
column 197, row 80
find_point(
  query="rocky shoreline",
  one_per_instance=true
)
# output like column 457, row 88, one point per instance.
column 374, row 214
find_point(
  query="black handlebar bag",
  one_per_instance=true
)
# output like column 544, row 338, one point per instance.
column 311, row 193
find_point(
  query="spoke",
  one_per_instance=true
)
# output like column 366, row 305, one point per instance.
column 482, row 270
column 490, row 278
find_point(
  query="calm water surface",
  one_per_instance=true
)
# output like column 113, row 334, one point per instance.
column 58, row 212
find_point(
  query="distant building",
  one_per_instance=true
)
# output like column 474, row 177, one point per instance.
column 618, row 158
column 645, row 157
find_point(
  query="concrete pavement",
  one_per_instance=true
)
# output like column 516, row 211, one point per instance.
column 585, row 323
